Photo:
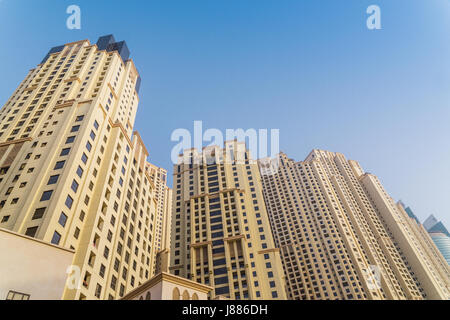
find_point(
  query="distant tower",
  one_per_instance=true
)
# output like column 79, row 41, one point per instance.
column 342, row 237
column 163, row 198
column 440, row 236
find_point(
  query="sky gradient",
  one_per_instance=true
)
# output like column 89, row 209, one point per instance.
column 309, row 68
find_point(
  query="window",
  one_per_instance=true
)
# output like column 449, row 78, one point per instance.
column 69, row 202
column 4, row 170
column 70, row 139
column 31, row 232
column 98, row 291
column 8, row 192
column 59, row 165
column 222, row 290
column 56, row 238
column 113, row 282
column 80, row 172
column 46, row 195
column 13, row 295
column 80, row 118
column 76, row 234
column 75, row 129
column 38, row 214
column 74, row 186
column 84, row 158
column 102, row 271
column 65, row 152
column 53, row 179
column 62, row 219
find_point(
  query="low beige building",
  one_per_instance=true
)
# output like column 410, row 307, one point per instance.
column 165, row 286
column 31, row 269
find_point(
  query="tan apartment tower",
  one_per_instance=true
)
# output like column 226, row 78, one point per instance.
column 342, row 236
column 220, row 229
column 163, row 197
column 73, row 172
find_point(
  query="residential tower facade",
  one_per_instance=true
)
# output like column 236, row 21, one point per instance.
column 220, row 229
column 74, row 173
column 341, row 235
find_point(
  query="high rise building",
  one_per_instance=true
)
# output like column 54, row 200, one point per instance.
column 163, row 196
column 220, row 229
column 342, row 236
column 442, row 242
column 440, row 236
column 72, row 171
column 408, row 211
column 432, row 225
column 428, row 250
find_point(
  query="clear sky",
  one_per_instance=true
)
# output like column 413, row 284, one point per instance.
column 310, row 68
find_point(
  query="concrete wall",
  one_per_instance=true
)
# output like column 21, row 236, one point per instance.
column 32, row 267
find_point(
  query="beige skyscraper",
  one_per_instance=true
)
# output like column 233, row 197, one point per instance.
column 73, row 173
column 163, row 197
column 220, row 229
column 343, row 237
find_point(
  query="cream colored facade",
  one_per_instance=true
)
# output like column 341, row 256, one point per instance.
column 166, row 286
column 342, row 236
column 425, row 248
column 167, row 219
column 73, row 172
column 163, row 196
column 220, row 229
column 162, row 261
column 31, row 269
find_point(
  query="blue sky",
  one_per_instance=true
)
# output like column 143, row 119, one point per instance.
column 309, row 68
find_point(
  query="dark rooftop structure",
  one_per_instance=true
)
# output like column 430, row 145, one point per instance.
column 107, row 43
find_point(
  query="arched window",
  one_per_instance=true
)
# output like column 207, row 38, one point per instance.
column 194, row 296
column 176, row 294
column 141, row 298
column 185, row 295
column 148, row 296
